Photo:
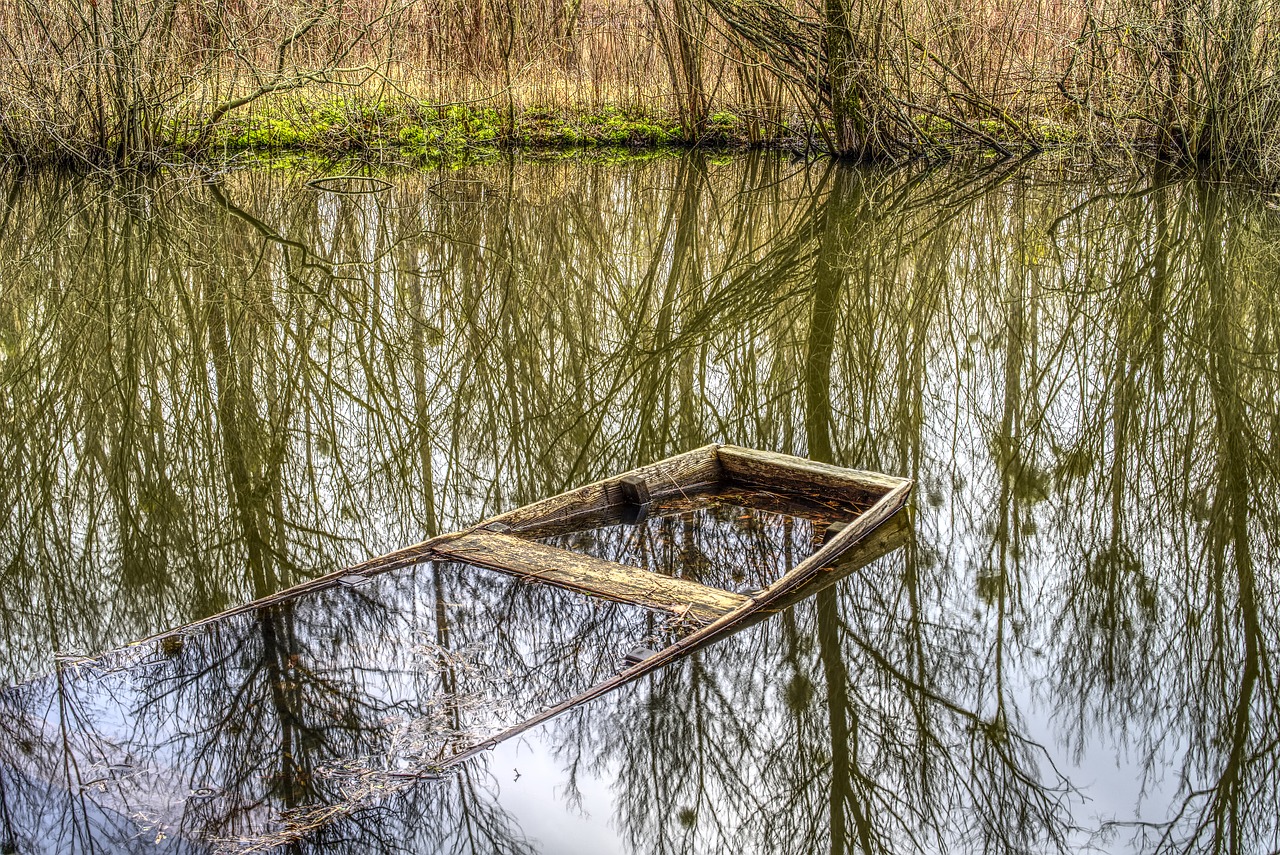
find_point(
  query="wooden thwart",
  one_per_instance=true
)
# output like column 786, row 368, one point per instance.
column 589, row 574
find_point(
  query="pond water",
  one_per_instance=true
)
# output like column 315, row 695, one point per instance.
column 210, row 391
column 729, row 539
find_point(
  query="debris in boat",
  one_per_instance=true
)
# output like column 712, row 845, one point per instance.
column 832, row 530
column 636, row 655
column 733, row 539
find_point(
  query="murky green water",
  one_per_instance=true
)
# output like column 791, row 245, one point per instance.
column 211, row 392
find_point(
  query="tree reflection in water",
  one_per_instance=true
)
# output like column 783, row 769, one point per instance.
column 214, row 391
column 273, row 720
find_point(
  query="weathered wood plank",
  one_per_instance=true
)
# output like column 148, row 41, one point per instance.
column 589, row 574
column 782, row 470
column 684, row 473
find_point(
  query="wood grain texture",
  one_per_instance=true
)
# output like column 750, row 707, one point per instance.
column 684, row 473
column 768, row 469
column 591, row 575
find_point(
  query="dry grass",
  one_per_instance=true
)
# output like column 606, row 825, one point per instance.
column 1194, row 81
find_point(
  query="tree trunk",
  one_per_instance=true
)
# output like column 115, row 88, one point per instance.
column 845, row 77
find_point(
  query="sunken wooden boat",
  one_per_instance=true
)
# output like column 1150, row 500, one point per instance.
column 124, row 727
column 857, row 501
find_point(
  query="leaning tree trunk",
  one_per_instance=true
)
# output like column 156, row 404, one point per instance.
column 1173, row 126
column 691, row 31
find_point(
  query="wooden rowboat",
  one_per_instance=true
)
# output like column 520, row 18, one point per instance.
column 138, row 715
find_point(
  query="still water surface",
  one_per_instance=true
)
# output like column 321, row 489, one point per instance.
column 209, row 392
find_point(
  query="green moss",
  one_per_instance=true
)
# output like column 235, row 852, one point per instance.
column 419, row 133
column 935, row 129
column 1050, row 132
column 990, row 127
column 412, row 136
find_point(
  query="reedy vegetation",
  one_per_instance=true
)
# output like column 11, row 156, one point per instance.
column 127, row 81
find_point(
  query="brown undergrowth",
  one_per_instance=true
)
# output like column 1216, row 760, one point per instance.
column 111, row 82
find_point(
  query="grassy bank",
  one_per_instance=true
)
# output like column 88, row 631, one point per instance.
column 411, row 132
column 141, row 82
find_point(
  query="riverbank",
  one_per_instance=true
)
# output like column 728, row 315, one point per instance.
column 416, row 131
column 405, row 132
column 141, row 83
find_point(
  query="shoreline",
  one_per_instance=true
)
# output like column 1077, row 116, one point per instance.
column 405, row 133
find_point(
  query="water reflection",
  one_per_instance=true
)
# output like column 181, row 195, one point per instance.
column 212, row 392
column 255, row 729
column 738, row 540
